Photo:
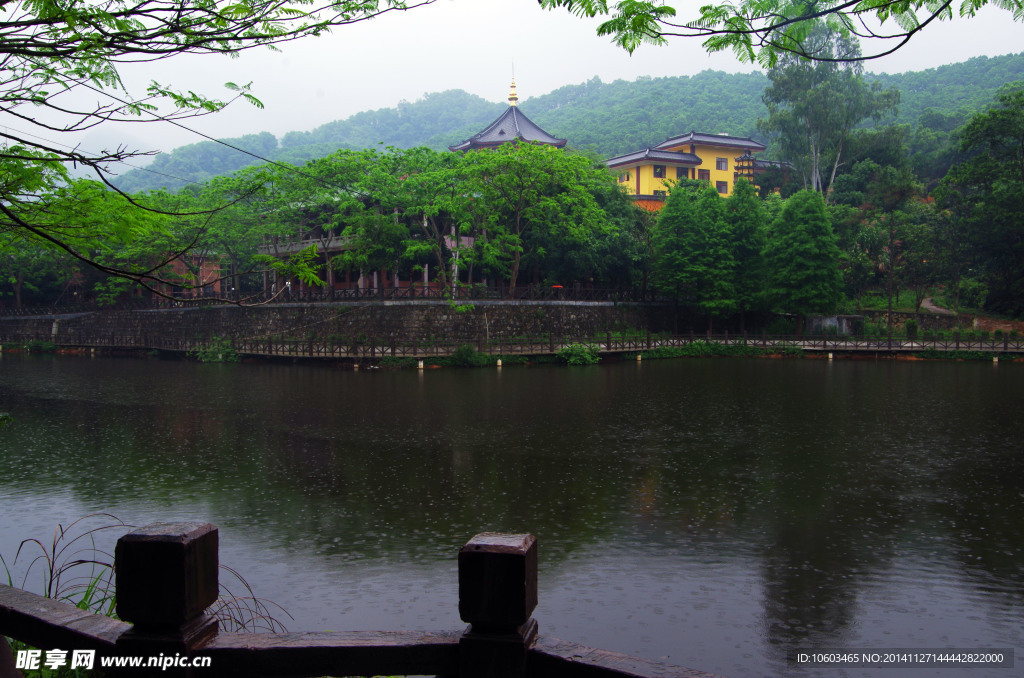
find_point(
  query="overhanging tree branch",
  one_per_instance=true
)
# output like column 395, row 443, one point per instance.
column 50, row 48
column 761, row 31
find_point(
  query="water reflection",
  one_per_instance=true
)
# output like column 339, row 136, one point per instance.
column 720, row 514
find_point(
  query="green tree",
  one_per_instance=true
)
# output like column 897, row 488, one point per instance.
column 52, row 46
column 803, row 258
column 533, row 199
column 31, row 274
column 693, row 253
column 985, row 192
column 747, row 220
column 814, row 108
column 763, row 31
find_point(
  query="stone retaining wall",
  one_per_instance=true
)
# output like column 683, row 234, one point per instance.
column 382, row 322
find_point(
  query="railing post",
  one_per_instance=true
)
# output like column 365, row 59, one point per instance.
column 165, row 578
column 497, row 595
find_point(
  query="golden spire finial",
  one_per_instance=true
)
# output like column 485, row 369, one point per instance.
column 512, row 98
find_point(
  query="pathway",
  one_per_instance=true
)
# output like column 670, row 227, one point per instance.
column 929, row 305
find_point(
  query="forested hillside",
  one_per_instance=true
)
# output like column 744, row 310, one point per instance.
column 606, row 118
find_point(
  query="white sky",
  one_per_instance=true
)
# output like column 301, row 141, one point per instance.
column 472, row 45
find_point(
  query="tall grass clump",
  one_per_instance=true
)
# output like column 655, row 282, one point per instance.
column 70, row 567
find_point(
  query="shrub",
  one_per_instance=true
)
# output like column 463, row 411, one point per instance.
column 934, row 354
column 973, row 293
column 704, row 349
column 467, row 356
column 397, row 362
column 219, row 350
column 579, row 354
column 910, row 328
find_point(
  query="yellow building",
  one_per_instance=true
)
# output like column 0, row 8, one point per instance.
column 719, row 159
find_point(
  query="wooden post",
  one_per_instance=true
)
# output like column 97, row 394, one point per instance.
column 497, row 596
column 165, row 578
column 7, row 663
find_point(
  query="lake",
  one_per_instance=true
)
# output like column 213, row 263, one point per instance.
column 718, row 514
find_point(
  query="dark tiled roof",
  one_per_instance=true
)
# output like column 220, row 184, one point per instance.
column 512, row 125
column 711, row 140
column 768, row 164
column 654, row 155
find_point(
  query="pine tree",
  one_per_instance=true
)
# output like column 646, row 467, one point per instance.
column 693, row 260
column 802, row 257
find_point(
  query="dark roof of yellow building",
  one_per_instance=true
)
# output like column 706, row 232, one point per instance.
column 654, row 155
column 701, row 138
column 512, row 125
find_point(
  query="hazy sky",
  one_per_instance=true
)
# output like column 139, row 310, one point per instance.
column 472, row 45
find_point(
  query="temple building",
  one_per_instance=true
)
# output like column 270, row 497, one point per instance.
column 719, row 159
column 512, row 125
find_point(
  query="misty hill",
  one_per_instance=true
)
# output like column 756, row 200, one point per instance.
column 606, row 118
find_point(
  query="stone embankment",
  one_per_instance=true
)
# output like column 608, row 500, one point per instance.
column 382, row 322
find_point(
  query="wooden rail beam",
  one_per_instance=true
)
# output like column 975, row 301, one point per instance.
column 43, row 622
column 336, row 653
column 565, row 659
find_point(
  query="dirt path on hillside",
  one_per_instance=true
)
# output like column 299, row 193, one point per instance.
column 929, row 305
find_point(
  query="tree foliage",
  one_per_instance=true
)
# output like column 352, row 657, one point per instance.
column 802, row 257
column 985, row 194
column 55, row 48
column 747, row 219
column 763, row 31
column 814, row 108
column 693, row 254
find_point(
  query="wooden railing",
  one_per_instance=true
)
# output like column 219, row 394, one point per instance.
column 379, row 347
column 166, row 578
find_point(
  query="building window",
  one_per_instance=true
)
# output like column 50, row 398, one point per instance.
column 623, row 178
column 722, row 164
column 722, row 187
column 659, row 171
column 682, row 173
column 660, row 194
column 704, row 175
